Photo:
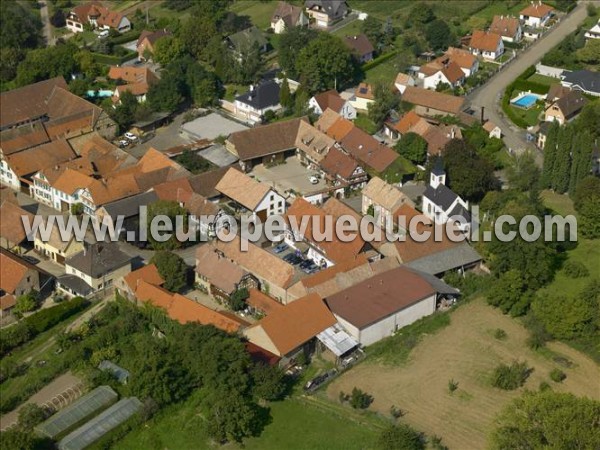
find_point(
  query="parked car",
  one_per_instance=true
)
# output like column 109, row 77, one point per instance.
column 123, row 143
column 319, row 380
column 310, row 268
column 132, row 137
column 281, row 248
column 313, row 179
column 103, row 34
column 288, row 258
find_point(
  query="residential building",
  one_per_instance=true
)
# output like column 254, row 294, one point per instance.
column 468, row 63
column 494, row 131
column 204, row 214
column 536, row 14
column 508, row 27
column 287, row 16
column 258, row 200
column 259, row 99
column 128, row 285
column 123, row 215
column 260, row 304
column 7, row 305
column 94, row 270
column 218, row 276
column 381, row 200
column 341, row 170
column 594, row 32
column 13, row 235
column 586, row 81
column 378, row 307
column 431, row 103
column 323, row 13
column 290, row 331
column 331, row 99
column 313, row 145
column 137, row 81
column 441, row 204
column 441, row 70
column 248, row 40
column 97, row 16
column 566, row 108
column 55, row 247
column 363, row 97
column 486, row 44
column 146, row 42
column 19, row 277
column 402, row 81
column 556, row 92
column 361, row 47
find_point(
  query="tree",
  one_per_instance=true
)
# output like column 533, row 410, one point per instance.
column 581, row 163
column 165, row 95
column 77, row 209
column 27, row 302
column 510, row 377
column 166, row 49
column 124, row 113
column 172, row 269
column 507, row 291
column 20, row 28
column 548, row 420
column 413, row 147
column 562, row 165
column 400, row 437
column 249, row 64
column 325, row 63
column 590, row 54
column 193, row 162
column 43, row 63
column 269, row 382
column 285, row 96
column 360, row 399
column 195, row 34
column 31, row 415
column 232, row 417
column 58, row 19
column 372, row 28
column 301, row 102
column 292, row 41
column 587, row 204
column 420, row 14
column 439, row 35
column 170, row 210
column 79, row 87
column 384, row 101
column 523, row 172
column 550, row 155
column 237, row 300
column 15, row 438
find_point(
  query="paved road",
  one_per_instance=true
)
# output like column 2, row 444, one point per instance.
column 46, row 21
column 491, row 93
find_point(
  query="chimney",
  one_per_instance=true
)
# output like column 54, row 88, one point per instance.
column 482, row 112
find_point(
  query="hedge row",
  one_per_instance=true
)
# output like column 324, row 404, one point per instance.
column 132, row 35
column 379, row 60
column 112, row 60
column 519, row 84
column 526, row 85
column 37, row 323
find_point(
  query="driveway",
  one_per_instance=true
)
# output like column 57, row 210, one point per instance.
column 489, row 96
column 46, row 22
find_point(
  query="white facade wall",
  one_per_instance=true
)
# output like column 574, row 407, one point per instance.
column 8, row 177
column 273, row 203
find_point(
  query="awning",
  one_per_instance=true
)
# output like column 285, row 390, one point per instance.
column 337, row 340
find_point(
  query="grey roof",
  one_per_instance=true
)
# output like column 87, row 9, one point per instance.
column 587, row 80
column 438, row 167
column 130, row 206
column 337, row 340
column 460, row 211
column 441, row 196
column 249, row 36
column 334, row 8
column 571, row 103
column 75, row 284
column 211, row 126
column 99, row 259
column 205, row 183
column 439, row 285
column 262, row 96
column 118, row 372
column 457, row 256
column 218, row 155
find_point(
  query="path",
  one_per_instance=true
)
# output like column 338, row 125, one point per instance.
column 46, row 21
column 489, row 96
column 58, row 393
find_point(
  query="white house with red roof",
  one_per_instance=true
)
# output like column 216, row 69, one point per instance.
column 98, row 16
column 536, row 14
column 486, row 44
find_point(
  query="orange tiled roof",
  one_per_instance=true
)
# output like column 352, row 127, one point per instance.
column 148, row 273
column 536, row 10
column 485, row 41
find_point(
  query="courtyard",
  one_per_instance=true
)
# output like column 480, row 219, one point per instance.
column 289, row 176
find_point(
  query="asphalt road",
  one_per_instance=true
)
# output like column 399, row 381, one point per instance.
column 46, row 21
column 489, row 96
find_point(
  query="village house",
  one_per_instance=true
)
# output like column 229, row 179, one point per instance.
column 258, row 200
column 381, row 200
column 137, row 81
column 127, row 210
column 436, row 134
column 290, row 331
column 19, row 277
column 313, row 145
column 287, row 16
column 431, row 103
column 378, row 307
column 556, row 92
column 324, row 13
column 220, row 277
column 360, row 47
column 586, row 81
column 259, row 99
column 565, row 108
column 536, row 14
column 594, row 32
column 331, row 99
column 94, row 270
column 363, row 97
column 128, row 285
column 494, row 131
column 146, row 43
column 56, row 248
column 403, row 81
column 97, row 16
column 341, row 170
column 508, row 27
column 441, row 70
column 441, row 204
column 260, row 304
column 467, row 62
column 13, row 235
column 486, row 44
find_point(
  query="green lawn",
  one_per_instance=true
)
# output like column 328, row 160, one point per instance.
column 296, row 424
column 351, row 29
column 559, row 203
column 499, row 9
column 233, row 90
column 387, row 70
column 260, row 13
column 531, row 115
column 363, row 122
column 397, row 170
column 537, row 78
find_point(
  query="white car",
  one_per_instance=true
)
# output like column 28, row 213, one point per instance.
column 132, row 137
column 123, row 143
column 313, row 179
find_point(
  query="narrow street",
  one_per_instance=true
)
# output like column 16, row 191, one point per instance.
column 46, row 22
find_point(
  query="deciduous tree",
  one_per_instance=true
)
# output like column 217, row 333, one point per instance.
column 172, row 269
column 413, row 147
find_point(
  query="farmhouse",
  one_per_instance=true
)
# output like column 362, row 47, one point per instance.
column 536, row 14
column 19, row 277
column 56, row 248
column 138, row 81
column 287, row 16
column 382, row 200
column 12, row 232
column 129, row 283
column 486, row 44
column 381, row 305
column 508, row 27
column 430, row 103
column 441, row 70
column 565, row 108
column 97, row 16
column 323, row 13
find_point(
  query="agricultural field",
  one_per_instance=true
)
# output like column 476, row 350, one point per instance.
column 467, row 352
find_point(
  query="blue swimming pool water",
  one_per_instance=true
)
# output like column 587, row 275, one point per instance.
column 526, row 101
column 100, row 93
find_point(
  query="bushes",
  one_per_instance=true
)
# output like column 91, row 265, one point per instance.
column 379, row 60
column 526, row 85
column 360, row 399
column 112, row 60
column 511, row 377
column 522, row 84
column 131, row 35
column 557, row 375
column 500, row 334
column 575, row 269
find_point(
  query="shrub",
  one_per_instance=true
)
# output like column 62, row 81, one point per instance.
column 510, row 377
column 576, row 269
column 500, row 334
column 452, row 385
column 396, row 412
column 544, row 386
column 557, row 375
column 360, row 399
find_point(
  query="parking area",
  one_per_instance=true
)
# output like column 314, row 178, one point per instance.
column 296, row 257
column 210, row 127
column 290, row 176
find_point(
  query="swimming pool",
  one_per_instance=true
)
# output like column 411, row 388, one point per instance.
column 525, row 101
column 100, row 93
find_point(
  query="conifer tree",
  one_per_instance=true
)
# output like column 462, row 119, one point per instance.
column 550, row 155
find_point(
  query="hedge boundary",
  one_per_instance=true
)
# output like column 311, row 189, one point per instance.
column 379, row 60
column 111, row 59
column 521, row 83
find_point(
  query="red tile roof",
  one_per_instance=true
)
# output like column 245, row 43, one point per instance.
column 359, row 44
column 536, row 10
column 148, row 273
column 485, row 41
column 435, row 100
column 505, row 26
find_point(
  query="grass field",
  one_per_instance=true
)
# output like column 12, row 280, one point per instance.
column 467, row 352
column 537, row 78
column 351, row 29
column 260, row 13
column 531, row 115
column 559, row 203
column 363, row 122
column 296, row 424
